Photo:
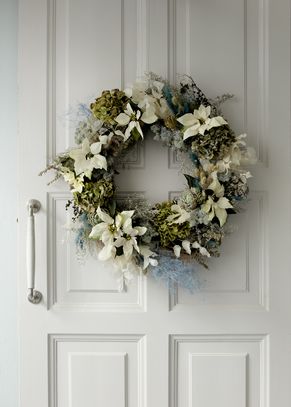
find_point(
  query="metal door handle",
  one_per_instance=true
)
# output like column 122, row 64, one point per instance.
column 33, row 296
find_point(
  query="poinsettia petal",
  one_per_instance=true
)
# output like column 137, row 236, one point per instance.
column 211, row 214
column 119, row 133
column 129, row 110
column 130, row 127
column 224, row 203
column 104, row 216
column 207, row 205
column 127, row 227
column 120, row 241
column 86, row 146
column 104, row 139
column 127, row 249
column 216, row 122
column 190, row 132
column 128, row 92
column 95, row 148
column 187, row 120
column 149, row 116
column 122, row 119
column 118, row 221
column 97, row 230
column 107, row 252
column 137, row 125
column 141, row 230
column 127, row 214
column 99, row 161
column 221, row 214
column 134, row 244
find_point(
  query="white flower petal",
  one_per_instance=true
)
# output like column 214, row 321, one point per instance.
column 119, row 133
column 122, row 119
column 141, row 230
column 224, row 203
column 99, row 161
column 104, row 216
column 107, row 252
column 187, row 120
column 204, row 252
column 137, row 125
column 129, row 110
column 128, row 92
column 86, row 146
column 221, row 214
column 130, row 127
column 186, row 246
column 177, row 250
column 97, row 231
column 128, row 249
column 191, row 131
column 196, row 245
column 95, row 148
column 120, row 241
column 149, row 116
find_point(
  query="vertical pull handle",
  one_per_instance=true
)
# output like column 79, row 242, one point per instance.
column 34, row 296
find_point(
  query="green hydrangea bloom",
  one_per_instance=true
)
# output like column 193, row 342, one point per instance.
column 94, row 194
column 169, row 232
column 108, row 106
column 214, row 144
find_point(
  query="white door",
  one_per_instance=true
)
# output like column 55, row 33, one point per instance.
column 86, row 343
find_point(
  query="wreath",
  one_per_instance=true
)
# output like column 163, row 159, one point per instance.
column 165, row 239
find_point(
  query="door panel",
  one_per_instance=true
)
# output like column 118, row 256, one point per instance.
column 233, row 367
column 97, row 370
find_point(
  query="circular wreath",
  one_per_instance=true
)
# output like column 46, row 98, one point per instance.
column 168, row 237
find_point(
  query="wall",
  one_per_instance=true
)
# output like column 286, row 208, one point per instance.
column 8, row 205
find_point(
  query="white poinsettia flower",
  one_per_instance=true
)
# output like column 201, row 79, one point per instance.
column 115, row 233
column 201, row 249
column 137, row 91
column 199, row 121
column 148, row 257
column 216, row 186
column 128, row 241
column 179, row 215
column 83, row 164
column 217, row 209
column 130, row 119
column 107, row 232
column 154, row 108
column 123, row 218
column 76, row 183
column 152, row 105
column 107, row 229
